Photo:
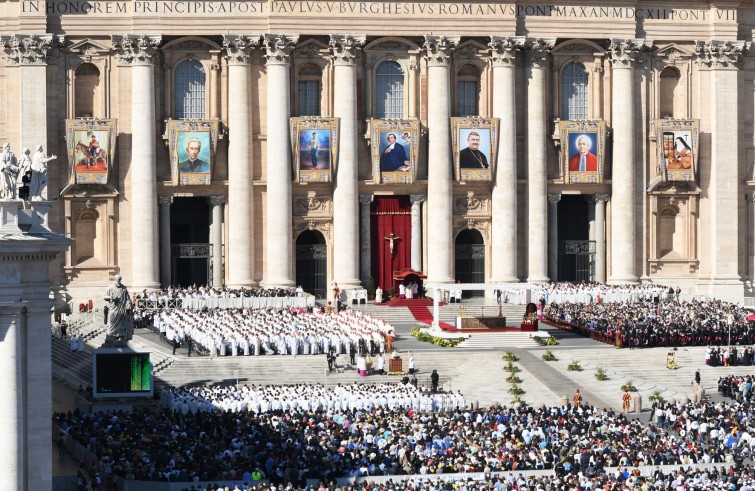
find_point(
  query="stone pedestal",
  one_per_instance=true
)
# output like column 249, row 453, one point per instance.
column 25, row 363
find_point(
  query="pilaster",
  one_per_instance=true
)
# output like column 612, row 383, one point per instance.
column 365, row 269
column 553, row 199
column 166, row 279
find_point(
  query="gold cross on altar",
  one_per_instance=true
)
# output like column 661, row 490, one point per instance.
column 391, row 239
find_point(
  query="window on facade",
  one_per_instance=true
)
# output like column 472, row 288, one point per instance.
column 86, row 91
column 308, row 86
column 467, row 91
column 574, row 92
column 670, row 77
column 190, row 93
column 389, row 91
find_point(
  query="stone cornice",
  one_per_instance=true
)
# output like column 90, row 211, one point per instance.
column 344, row 50
column 438, row 49
column 503, row 50
column 137, row 49
column 32, row 49
column 625, row 52
column 239, row 48
column 278, row 48
column 721, row 54
column 539, row 52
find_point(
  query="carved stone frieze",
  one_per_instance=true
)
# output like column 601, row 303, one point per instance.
column 278, row 48
column 472, row 204
column 626, row 52
column 313, row 205
column 503, row 50
column 438, row 49
column 22, row 49
column 344, row 50
column 239, row 49
column 137, row 49
column 721, row 54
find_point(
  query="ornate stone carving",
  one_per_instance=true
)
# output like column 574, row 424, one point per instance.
column 554, row 198
column 312, row 203
column 344, row 50
column 438, row 49
column 599, row 197
column 366, row 199
column 539, row 52
column 216, row 200
column 503, row 50
column 625, row 52
column 471, row 203
column 165, row 200
column 136, row 49
column 721, row 54
column 416, row 199
column 239, row 49
column 278, row 48
column 467, row 52
column 21, row 49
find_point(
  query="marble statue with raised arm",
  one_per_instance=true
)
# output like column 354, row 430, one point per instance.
column 38, row 184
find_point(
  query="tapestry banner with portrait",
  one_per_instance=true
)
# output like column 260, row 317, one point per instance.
column 91, row 149
column 193, row 145
column 315, row 145
column 677, row 148
column 395, row 150
column 583, row 147
column 475, row 146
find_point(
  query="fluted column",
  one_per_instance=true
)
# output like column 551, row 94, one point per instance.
column 724, row 60
column 364, row 237
column 278, row 242
column 504, row 197
column 600, row 237
column 416, row 259
column 624, row 170
column 553, row 199
column 439, row 185
column 538, row 58
column 240, row 261
column 165, row 260
column 140, row 52
column 344, row 52
column 216, row 239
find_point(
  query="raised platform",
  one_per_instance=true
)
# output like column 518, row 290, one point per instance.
column 410, row 302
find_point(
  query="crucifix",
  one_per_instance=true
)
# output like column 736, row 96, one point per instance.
column 391, row 239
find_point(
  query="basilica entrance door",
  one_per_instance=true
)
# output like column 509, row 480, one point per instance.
column 190, row 249
column 470, row 260
column 576, row 252
column 312, row 263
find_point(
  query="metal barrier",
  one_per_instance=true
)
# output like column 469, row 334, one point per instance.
column 68, row 378
column 225, row 303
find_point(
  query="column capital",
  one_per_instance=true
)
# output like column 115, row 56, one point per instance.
column 554, row 198
column 165, row 200
column 344, row 50
column 278, row 48
column 31, row 49
column 599, row 197
column 216, row 200
column 365, row 199
column 438, row 49
column 136, row 49
column 750, row 196
column 539, row 52
column 721, row 54
column 239, row 48
column 416, row 199
column 625, row 52
column 503, row 50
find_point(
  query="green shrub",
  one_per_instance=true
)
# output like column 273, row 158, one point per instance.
column 542, row 341
column 513, row 379
column 628, row 385
column 601, row 374
column 518, row 400
column 516, row 390
column 549, row 356
column 574, row 366
column 510, row 356
column 656, row 397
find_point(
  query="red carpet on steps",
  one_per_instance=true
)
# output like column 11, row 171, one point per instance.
column 422, row 314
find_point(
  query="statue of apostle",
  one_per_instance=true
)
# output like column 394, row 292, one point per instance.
column 120, row 319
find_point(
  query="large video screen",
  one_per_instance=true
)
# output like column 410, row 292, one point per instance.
column 122, row 372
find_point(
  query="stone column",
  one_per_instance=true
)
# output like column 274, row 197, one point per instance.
column 600, row 237
column 12, row 420
column 365, row 269
column 504, row 197
column 624, row 169
column 140, row 51
column 417, row 200
column 724, row 60
column 240, row 259
column 538, row 58
column 278, row 237
column 439, row 185
column 165, row 259
column 553, row 199
column 344, row 52
column 216, row 239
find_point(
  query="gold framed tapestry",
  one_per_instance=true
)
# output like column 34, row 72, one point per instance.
column 315, row 146
column 583, row 151
column 475, row 146
column 677, row 143
column 193, row 145
column 91, row 149
column 395, row 150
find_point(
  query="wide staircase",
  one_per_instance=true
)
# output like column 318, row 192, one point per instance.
column 448, row 312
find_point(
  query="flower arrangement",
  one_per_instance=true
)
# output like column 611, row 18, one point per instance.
column 516, row 390
column 656, row 397
column 549, row 356
column 601, row 374
column 549, row 341
column 510, row 356
column 422, row 335
column 397, row 373
column 628, row 385
column 574, row 366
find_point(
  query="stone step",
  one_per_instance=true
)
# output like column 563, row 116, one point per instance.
column 501, row 340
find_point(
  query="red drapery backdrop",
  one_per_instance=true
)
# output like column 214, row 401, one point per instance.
column 390, row 214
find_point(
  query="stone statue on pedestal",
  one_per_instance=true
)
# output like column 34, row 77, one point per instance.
column 24, row 168
column 9, row 173
column 120, row 318
column 38, row 184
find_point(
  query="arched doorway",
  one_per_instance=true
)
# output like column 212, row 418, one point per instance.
column 470, row 260
column 190, row 242
column 312, row 263
column 576, row 252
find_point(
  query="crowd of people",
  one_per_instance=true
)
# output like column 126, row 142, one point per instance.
column 587, row 293
column 162, row 297
column 364, row 437
column 292, row 331
column 644, row 323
